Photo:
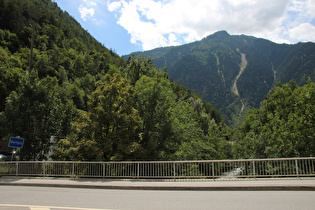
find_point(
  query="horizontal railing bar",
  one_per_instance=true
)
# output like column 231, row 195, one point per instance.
column 176, row 161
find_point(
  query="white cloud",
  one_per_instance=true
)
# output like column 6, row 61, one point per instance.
column 173, row 40
column 86, row 13
column 311, row 8
column 90, row 3
column 153, row 23
column 303, row 32
column 297, row 6
column 113, row 6
column 89, row 8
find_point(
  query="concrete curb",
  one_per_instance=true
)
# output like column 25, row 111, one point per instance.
column 168, row 188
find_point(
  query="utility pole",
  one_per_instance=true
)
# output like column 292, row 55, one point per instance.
column 32, row 46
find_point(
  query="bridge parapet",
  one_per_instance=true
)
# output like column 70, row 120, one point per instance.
column 205, row 169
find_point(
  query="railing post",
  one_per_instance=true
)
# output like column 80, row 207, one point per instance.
column 104, row 170
column 174, row 170
column 17, row 169
column 43, row 169
column 138, row 170
column 254, row 170
column 296, row 168
column 72, row 169
column 213, row 170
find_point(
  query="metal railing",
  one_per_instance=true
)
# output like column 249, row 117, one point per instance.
column 210, row 169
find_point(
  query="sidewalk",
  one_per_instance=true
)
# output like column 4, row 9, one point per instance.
column 301, row 184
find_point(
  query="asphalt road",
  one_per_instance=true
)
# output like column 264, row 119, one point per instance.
column 44, row 198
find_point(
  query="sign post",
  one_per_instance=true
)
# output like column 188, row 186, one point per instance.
column 15, row 142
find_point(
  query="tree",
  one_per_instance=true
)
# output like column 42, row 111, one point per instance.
column 79, row 66
column 154, row 100
column 44, row 66
column 282, row 127
column 9, row 81
column 36, row 111
column 80, row 145
column 115, row 120
column 139, row 67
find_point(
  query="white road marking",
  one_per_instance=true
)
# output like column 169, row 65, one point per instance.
column 32, row 207
column 38, row 208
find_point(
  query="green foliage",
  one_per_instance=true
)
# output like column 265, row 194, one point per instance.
column 153, row 120
column 35, row 111
column 282, row 127
column 114, row 117
column 67, row 63
column 154, row 100
column 138, row 67
column 9, row 81
column 80, row 145
column 176, row 123
column 9, row 40
column 109, row 128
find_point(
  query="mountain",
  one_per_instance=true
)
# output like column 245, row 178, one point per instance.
column 235, row 72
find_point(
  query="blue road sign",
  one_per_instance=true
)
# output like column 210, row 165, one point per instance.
column 16, row 142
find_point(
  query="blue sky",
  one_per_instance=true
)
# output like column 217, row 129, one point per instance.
column 127, row 26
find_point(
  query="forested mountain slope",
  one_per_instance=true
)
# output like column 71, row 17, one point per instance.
column 211, row 66
column 77, row 95
column 62, row 48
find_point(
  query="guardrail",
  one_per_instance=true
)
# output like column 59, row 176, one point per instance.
column 211, row 169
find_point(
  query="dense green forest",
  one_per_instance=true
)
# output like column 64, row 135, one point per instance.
column 57, row 80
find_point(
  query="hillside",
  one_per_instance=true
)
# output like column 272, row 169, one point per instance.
column 61, row 49
column 66, row 94
column 211, row 67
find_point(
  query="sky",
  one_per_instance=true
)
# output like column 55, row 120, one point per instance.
column 127, row 26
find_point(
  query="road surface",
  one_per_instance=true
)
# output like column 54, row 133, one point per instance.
column 45, row 198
